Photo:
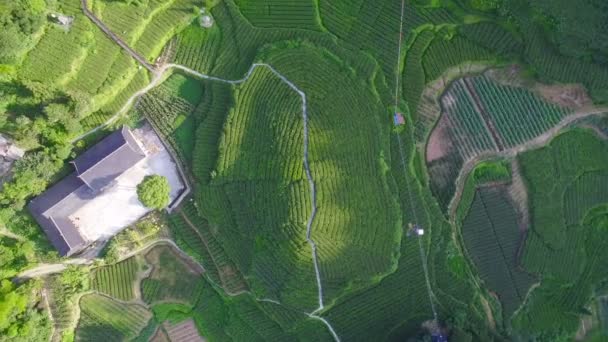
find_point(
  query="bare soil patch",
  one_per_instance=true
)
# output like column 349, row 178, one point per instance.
column 185, row 331
column 573, row 96
column 160, row 336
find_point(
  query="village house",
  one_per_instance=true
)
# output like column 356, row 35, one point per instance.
column 99, row 198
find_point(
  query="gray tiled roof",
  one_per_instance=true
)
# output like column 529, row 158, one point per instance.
column 63, row 235
column 95, row 169
column 108, row 159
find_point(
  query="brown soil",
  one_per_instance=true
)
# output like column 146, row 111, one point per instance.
column 583, row 329
column 573, row 96
column 428, row 110
column 439, row 144
column 488, row 312
column 185, row 331
column 160, row 336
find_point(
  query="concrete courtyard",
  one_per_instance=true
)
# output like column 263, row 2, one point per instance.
column 117, row 206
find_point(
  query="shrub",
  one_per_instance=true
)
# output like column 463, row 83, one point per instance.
column 153, row 192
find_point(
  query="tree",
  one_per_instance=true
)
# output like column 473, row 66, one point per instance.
column 56, row 112
column 153, row 192
column 112, row 254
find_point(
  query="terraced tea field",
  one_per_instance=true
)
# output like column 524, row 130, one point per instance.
column 492, row 237
column 303, row 188
column 117, row 280
column 480, row 116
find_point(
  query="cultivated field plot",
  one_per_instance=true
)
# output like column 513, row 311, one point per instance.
column 185, row 331
column 104, row 319
column 492, row 237
column 567, row 250
column 194, row 235
column 481, row 116
column 281, row 13
column 169, row 107
column 171, row 278
column 117, row 280
column 585, row 193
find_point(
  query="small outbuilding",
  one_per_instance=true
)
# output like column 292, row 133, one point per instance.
column 206, row 19
column 61, row 19
column 398, row 119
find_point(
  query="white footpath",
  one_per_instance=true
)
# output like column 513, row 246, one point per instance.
column 117, row 206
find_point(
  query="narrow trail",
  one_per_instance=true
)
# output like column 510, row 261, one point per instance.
column 423, row 258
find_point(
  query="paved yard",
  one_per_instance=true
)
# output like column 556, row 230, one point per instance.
column 117, row 206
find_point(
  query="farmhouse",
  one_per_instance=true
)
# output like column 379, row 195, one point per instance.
column 99, row 198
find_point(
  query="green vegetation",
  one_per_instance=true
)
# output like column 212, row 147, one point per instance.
column 516, row 115
column 565, row 250
column 242, row 146
column 492, row 171
column 102, row 318
column 153, row 192
column 169, row 107
column 492, row 236
column 170, row 280
column 117, row 280
column 20, row 318
column 21, row 23
column 65, row 290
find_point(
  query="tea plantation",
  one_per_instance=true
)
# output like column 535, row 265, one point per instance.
column 390, row 170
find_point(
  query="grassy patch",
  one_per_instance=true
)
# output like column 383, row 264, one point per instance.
column 103, row 318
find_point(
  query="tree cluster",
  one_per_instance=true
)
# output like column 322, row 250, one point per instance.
column 19, row 21
column 20, row 318
column 153, row 192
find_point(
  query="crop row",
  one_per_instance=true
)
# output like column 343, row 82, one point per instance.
column 585, row 193
column 263, row 137
column 281, row 13
column 356, row 209
column 567, row 176
column 117, row 280
column 414, row 82
column 468, row 131
column 197, row 48
column 162, row 27
column 443, row 54
column 493, row 37
column 492, row 236
column 519, row 114
column 106, row 316
column 229, row 274
column 58, row 54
